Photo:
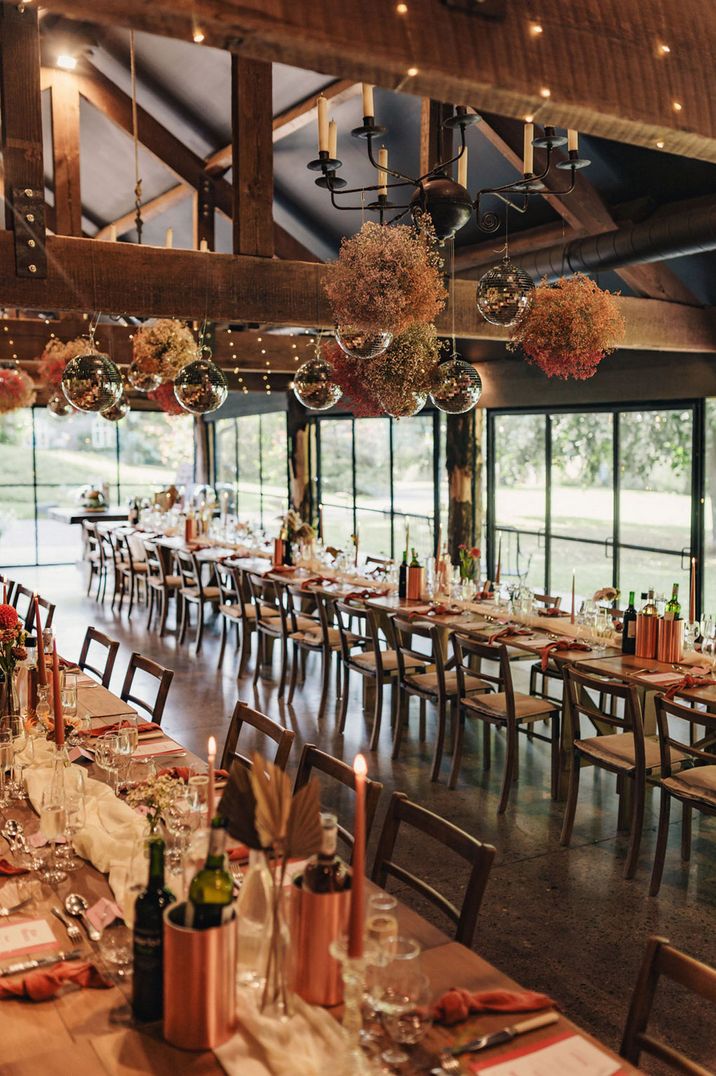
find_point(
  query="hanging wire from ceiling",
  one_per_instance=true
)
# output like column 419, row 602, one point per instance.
column 138, row 223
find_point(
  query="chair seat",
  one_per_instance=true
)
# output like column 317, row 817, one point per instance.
column 313, row 636
column 527, row 707
column 140, row 566
column 170, row 582
column 389, row 659
column 210, row 593
column 618, row 750
column 698, row 784
column 233, row 611
column 428, row 682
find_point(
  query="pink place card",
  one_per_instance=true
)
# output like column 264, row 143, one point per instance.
column 26, row 936
column 662, row 678
column 166, row 747
column 563, row 1055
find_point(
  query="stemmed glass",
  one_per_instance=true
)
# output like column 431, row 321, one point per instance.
column 6, row 756
column 393, row 989
column 75, row 819
column 124, row 747
column 53, row 818
column 407, row 1014
column 106, row 757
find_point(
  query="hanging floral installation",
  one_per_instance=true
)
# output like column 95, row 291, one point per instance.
column 160, row 349
column 16, row 390
column 569, row 328
column 56, row 355
column 165, row 397
column 350, row 375
column 387, row 278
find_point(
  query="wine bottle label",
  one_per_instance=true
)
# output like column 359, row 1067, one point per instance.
column 631, row 629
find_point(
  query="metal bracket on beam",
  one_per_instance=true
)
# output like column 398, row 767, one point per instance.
column 29, row 219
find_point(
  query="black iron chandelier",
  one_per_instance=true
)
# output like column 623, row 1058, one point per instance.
column 447, row 201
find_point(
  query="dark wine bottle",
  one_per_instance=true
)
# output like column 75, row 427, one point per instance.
column 211, row 892
column 403, row 576
column 629, row 627
column 147, row 981
column 326, row 872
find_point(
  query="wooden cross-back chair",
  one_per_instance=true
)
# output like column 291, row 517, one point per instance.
column 243, row 715
column 94, row 556
column 661, row 959
column 694, row 785
column 103, row 672
column 132, row 570
column 162, row 585
column 402, row 813
column 163, row 678
column 11, row 586
column 24, row 602
column 193, row 592
column 313, row 759
column 269, row 625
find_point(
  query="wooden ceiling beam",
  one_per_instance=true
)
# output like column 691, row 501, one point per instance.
column 252, row 157
column 605, row 73
column 471, row 261
column 151, row 209
column 124, row 278
column 65, row 113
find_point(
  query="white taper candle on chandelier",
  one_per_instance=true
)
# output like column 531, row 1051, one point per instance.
column 382, row 174
column 572, row 140
column 332, row 140
column 462, row 168
column 169, row 238
column 322, row 107
column 529, row 149
column 368, row 99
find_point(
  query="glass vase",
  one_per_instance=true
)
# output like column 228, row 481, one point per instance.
column 276, row 997
column 10, row 710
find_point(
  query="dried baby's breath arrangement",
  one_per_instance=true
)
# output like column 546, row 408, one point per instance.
column 350, row 374
column 16, row 390
column 406, row 371
column 56, row 355
column 163, row 347
column 387, row 278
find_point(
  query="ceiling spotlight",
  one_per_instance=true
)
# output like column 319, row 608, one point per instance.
column 529, row 118
column 66, row 62
column 677, row 106
column 402, row 9
column 545, row 92
column 411, row 72
column 664, row 50
column 197, row 34
column 535, row 29
column 660, row 143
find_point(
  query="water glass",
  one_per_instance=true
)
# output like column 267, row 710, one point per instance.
column 381, row 920
column 7, row 753
column 75, row 819
column 68, row 692
column 53, row 819
column 115, row 947
column 406, row 1012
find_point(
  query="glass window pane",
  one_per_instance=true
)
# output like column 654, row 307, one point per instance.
column 17, row 525
column 374, row 533
column 274, row 450
column 74, row 452
column 225, row 442
column 337, row 461
column 593, row 570
column 155, row 450
column 249, row 487
column 337, row 527
column 639, row 571
column 57, row 542
column 413, row 465
column 373, row 463
column 520, row 496
column 16, row 447
column 582, row 475
column 421, row 536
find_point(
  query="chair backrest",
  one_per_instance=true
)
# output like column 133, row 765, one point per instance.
column 127, row 551
column 10, row 586
column 690, row 741
column 404, row 631
column 227, row 584
column 312, row 758
column 661, row 958
column 48, row 607
column 188, row 570
column 154, row 561
column 244, row 715
column 265, row 596
column 358, row 628
column 548, row 600
column 111, row 648
column 582, row 688
column 401, row 812
column 163, row 676
column 92, row 541
column 466, row 647
column 24, row 602
column 109, row 550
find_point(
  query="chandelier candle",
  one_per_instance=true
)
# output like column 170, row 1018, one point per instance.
column 462, row 168
column 332, row 140
column 572, row 141
column 382, row 174
column 367, row 100
column 528, row 154
column 322, row 109
column 41, row 668
column 56, row 696
column 210, row 795
column 357, row 915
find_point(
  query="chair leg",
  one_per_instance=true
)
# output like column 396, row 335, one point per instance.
column 511, row 742
column 555, row 756
column 458, row 741
column 401, row 718
column 325, row 682
column 224, row 633
column 259, row 655
column 344, row 700
column 132, row 588
column 661, row 842
column 686, row 814
column 163, row 610
column 184, row 619
column 439, row 740
column 571, row 807
column 486, row 745
column 637, row 825
column 339, row 667
column 199, row 627
column 150, row 608
column 246, row 634
column 284, row 667
column 422, row 725
column 295, row 660
column 377, row 712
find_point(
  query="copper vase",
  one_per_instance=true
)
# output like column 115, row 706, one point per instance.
column 670, row 647
column 317, row 919
column 416, row 579
column 647, row 629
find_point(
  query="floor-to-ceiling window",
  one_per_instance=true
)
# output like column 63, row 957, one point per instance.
column 609, row 493
column 45, row 461
column 251, row 461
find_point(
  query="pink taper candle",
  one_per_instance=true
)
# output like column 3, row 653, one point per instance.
column 574, row 576
column 210, row 806
column 41, row 670
column 57, row 698
column 356, row 924
column 4, row 590
column 692, row 592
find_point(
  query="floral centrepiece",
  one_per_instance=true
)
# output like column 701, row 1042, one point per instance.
column 16, row 390
column 297, row 530
column 12, row 648
column 605, row 594
column 350, row 375
column 569, row 328
column 405, row 374
column 155, row 797
column 161, row 349
column 469, row 561
column 387, row 278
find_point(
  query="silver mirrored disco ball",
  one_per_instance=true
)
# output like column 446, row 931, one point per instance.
column 200, row 387
column 458, row 387
column 414, row 402
column 314, row 386
column 142, row 378
column 59, row 406
column 116, row 411
column 361, row 344
column 504, row 294
column 92, row 382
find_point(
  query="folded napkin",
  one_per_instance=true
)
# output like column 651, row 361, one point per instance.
column 8, row 871
column 314, row 580
column 42, row 984
column 552, row 610
column 457, row 1004
column 561, row 644
column 434, row 609
column 508, row 633
column 142, row 726
column 238, row 853
column 183, row 773
column 687, row 683
column 368, row 592
column 281, row 569
column 65, row 663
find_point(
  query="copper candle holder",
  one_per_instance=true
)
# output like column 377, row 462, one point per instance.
column 415, row 584
column 647, row 630
column 199, row 982
column 277, row 557
column 317, row 920
column 670, row 645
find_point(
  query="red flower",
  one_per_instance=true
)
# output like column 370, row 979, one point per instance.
column 474, row 552
column 8, row 617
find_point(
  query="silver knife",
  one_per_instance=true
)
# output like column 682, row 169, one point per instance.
column 506, row 1034
column 40, row 962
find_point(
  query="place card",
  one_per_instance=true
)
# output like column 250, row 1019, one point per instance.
column 662, row 678
column 563, row 1056
column 26, row 936
column 166, row 747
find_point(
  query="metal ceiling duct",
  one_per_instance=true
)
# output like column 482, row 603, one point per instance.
column 669, row 234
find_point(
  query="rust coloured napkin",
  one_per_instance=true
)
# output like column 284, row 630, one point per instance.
column 42, row 984
column 687, row 683
column 8, row 871
column 561, row 644
column 507, row 633
column 457, row 1004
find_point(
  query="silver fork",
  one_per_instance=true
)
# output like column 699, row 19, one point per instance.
column 73, row 932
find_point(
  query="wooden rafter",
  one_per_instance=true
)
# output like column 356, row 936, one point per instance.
column 65, row 110
column 252, row 157
column 604, row 71
column 84, row 274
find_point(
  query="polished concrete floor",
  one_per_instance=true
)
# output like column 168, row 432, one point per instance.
column 558, row 920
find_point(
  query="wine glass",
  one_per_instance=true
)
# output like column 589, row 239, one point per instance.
column 106, row 757
column 6, row 756
column 406, row 1012
column 198, row 791
column 75, row 819
column 124, row 745
column 52, row 825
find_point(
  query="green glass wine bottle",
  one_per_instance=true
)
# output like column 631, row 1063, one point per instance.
column 147, row 980
column 211, row 892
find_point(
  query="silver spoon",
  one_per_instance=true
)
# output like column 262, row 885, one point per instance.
column 12, row 831
column 76, row 906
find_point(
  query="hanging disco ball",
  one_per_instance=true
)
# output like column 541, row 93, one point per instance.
column 504, row 294
column 117, row 410
column 362, row 344
column 92, row 382
column 412, row 403
column 314, row 386
column 200, row 387
column 142, row 377
column 59, row 406
column 458, row 387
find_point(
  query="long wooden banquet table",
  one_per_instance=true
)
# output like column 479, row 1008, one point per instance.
column 87, row 1032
